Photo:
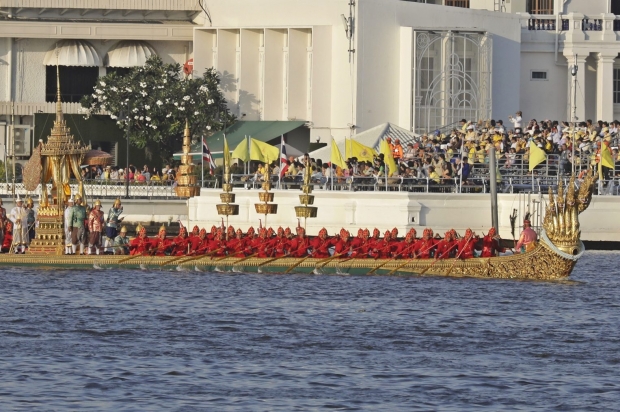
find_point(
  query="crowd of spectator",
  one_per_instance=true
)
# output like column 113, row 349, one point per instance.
column 451, row 156
column 134, row 174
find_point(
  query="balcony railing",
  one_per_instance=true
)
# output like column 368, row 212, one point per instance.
column 541, row 24
column 592, row 24
column 30, row 108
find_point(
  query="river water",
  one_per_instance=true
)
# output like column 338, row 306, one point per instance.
column 154, row 340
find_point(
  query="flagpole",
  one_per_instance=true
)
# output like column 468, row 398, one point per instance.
column 281, row 151
column 331, row 163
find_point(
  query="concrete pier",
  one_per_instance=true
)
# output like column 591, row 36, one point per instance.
column 403, row 210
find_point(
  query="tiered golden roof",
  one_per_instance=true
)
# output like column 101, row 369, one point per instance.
column 60, row 142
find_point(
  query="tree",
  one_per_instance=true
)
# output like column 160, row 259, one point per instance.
column 153, row 103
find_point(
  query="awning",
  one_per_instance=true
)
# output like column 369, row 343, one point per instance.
column 129, row 53
column 371, row 138
column 72, row 53
column 260, row 130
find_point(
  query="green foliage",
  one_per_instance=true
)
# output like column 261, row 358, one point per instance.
column 153, row 103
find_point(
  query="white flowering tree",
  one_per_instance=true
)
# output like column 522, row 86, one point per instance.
column 152, row 103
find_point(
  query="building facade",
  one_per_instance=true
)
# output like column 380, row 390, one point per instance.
column 87, row 38
column 341, row 66
column 345, row 66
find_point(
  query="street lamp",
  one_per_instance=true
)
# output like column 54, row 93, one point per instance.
column 573, row 72
column 126, row 118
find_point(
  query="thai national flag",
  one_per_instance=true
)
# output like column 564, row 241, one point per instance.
column 282, row 149
column 206, row 155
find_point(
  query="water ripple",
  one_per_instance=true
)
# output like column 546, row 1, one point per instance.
column 168, row 340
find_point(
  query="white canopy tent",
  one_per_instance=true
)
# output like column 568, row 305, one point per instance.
column 371, row 138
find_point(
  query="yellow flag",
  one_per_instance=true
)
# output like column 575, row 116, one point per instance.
column 606, row 158
column 263, row 152
column 241, row 151
column 388, row 158
column 336, row 157
column 363, row 153
column 537, row 155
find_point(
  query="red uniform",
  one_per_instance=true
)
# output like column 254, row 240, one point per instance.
column 281, row 246
column 466, row 246
column 404, row 249
column 141, row 244
column 383, row 248
column 299, row 246
column 490, row 245
column 180, row 243
column 344, row 245
column 444, row 247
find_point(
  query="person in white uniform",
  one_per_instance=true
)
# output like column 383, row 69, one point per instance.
column 68, row 249
column 19, row 217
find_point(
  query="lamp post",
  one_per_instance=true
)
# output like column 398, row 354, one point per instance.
column 573, row 72
column 127, row 120
column 127, row 162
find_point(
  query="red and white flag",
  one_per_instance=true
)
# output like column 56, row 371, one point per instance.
column 206, row 155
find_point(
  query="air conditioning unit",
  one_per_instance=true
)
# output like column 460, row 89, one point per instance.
column 22, row 140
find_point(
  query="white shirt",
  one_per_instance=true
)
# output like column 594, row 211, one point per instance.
column 516, row 121
column 19, row 216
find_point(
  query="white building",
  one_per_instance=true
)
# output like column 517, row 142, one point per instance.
column 348, row 65
column 92, row 37
column 341, row 66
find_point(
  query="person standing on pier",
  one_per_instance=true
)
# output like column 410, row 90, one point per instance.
column 77, row 216
column 95, row 225
column 67, row 224
column 112, row 222
column 19, row 217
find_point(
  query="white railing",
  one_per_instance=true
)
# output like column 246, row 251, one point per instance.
column 106, row 4
column 30, row 108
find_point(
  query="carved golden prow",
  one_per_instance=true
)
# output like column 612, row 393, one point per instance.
column 561, row 222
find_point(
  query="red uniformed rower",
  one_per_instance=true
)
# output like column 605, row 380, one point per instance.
column 490, row 244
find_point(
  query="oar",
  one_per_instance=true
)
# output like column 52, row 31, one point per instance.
column 191, row 255
column 272, row 260
column 436, row 260
column 244, row 258
column 200, row 256
column 391, row 259
column 131, row 257
column 456, row 259
column 325, row 261
column 384, row 263
column 296, row 264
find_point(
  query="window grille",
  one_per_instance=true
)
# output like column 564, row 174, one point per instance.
column 458, row 3
column 540, row 6
column 616, row 85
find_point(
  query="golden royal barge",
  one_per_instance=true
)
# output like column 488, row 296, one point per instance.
column 553, row 257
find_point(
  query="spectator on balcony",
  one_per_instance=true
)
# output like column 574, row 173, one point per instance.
column 146, row 173
column 446, row 173
column 397, row 150
column 433, row 175
column 409, row 153
column 465, row 170
column 517, row 122
column 121, row 174
column 131, row 175
column 139, row 177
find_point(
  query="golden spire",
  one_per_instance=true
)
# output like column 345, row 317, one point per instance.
column 59, row 115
